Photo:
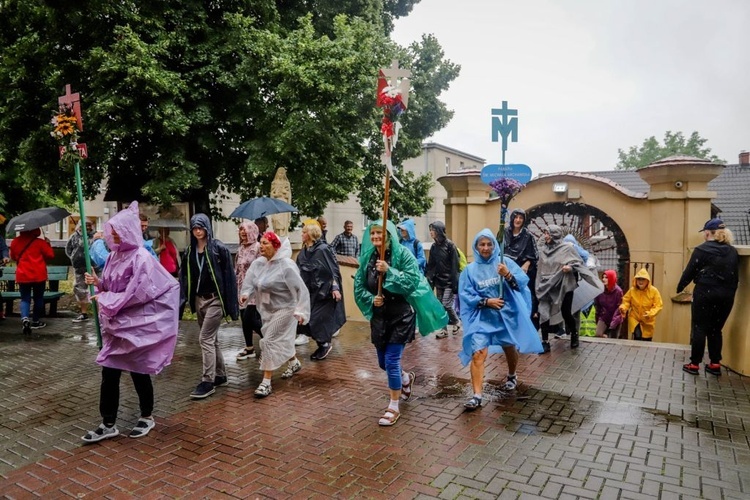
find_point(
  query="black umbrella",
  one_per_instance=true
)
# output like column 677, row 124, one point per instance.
column 37, row 218
column 260, row 207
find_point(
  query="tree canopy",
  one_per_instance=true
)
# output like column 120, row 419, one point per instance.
column 191, row 100
column 674, row 144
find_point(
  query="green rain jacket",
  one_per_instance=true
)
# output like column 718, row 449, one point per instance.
column 404, row 278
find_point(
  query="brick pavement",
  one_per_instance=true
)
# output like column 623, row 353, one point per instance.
column 614, row 419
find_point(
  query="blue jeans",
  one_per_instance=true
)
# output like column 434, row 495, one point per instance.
column 389, row 359
column 26, row 290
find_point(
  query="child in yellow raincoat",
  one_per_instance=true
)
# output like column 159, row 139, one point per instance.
column 643, row 302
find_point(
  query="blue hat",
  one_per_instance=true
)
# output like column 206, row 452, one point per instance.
column 713, row 225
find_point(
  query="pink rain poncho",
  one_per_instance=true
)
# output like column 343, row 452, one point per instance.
column 138, row 302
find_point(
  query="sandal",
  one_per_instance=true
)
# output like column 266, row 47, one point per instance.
column 142, row 428
column 292, row 368
column 246, row 353
column 262, row 391
column 406, row 388
column 511, row 383
column 473, row 403
column 389, row 418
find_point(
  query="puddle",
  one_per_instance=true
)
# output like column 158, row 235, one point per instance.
column 534, row 411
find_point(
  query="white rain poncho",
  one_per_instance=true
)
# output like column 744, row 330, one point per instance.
column 281, row 297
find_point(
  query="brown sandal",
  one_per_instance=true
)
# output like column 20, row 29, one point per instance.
column 389, row 418
column 406, row 388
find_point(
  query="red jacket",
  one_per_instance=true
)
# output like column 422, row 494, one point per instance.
column 31, row 262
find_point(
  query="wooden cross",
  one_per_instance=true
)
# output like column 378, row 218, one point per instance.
column 72, row 101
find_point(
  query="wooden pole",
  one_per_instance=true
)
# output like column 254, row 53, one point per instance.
column 386, row 195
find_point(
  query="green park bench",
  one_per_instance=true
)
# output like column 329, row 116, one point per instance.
column 52, row 293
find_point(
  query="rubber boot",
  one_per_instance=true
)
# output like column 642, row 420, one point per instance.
column 574, row 340
column 546, row 347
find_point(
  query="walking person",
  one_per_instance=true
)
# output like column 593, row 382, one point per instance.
column 138, row 305
column 208, row 284
column 166, row 249
column 283, row 303
column 519, row 245
column 607, row 306
column 642, row 302
column 74, row 251
column 714, row 268
column 442, row 273
column 493, row 321
column 31, row 254
column 4, row 259
column 247, row 252
column 319, row 270
column 408, row 238
column 560, row 269
column 405, row 302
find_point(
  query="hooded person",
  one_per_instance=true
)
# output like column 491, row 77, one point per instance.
column 138, row 303
column 494, row 322
column 74, row 251
column 607, row 306
column 247, row 252
column 209, row 285
column 283, row 302
column 563, row 284
column 404, row 302
column 442, row 273
column 519, row 244
column 408, row 238
column 642, row 302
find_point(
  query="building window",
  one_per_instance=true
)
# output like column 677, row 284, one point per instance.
column 461, row 165
column 447, row 165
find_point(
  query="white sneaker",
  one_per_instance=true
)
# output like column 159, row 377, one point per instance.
column 336, row 333
column 561, row 335
column 301, row 339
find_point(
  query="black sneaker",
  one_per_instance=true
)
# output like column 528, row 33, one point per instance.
column 545, row 347
column 80, row 318
column 26, row 326
column 220, row 381
column 204, row 390
column 36, row 325
column 322, row 351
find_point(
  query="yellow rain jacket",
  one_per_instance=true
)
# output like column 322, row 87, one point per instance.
column 642, row 306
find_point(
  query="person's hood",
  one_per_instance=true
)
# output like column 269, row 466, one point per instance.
column 581, row 251
column 367, row 247
column 127, row 224
column 439, row 229
column 284, row 251
column 643, row 274
column 202, row 221
column 408, row 225
column 517, row 211
column 556, row 233
column 251, row 230
column 611, row 275
column 485, row 233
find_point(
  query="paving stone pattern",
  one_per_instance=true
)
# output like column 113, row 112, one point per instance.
column 614, row 419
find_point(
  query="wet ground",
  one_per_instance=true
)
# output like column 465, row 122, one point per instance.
column 613, row 419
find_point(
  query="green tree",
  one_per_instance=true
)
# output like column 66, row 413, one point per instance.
column 193, row 100
column 674, row 144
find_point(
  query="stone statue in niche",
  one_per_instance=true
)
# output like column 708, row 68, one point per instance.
column 281, row 190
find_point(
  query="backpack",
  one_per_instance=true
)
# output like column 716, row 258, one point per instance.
column 462, row 262
column 416, row 245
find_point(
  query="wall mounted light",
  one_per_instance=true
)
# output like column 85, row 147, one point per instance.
column 559, row 187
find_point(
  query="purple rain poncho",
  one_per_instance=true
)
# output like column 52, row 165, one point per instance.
column 138, row 302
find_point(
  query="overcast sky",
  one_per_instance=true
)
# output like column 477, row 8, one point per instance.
column 591, row 76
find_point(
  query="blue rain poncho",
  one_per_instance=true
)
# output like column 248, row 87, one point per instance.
column 495, row 328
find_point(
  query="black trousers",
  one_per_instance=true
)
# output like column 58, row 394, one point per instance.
column 109, row 397
column 251, row 322
column 710, row 310
column 570, row 321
